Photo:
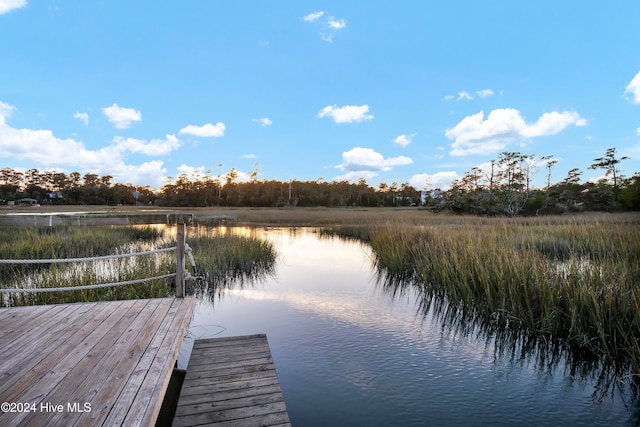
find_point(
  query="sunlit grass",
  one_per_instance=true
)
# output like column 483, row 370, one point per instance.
column 223, row 258
column 219, row 258
column 571, row 280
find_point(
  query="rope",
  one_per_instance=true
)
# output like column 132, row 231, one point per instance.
column 78, row 288
column 97, row 258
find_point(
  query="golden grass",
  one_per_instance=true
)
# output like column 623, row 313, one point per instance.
column 574, row 279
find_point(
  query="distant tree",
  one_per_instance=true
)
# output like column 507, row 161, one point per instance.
column 549, row 162
column 609, row 163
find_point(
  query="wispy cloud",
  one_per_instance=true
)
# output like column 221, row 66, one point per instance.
column 484, row 93
column 264, row 121
column 83, row 117
column 9, row 5
column 208, row 130
column 404, row 140
column 121, row 117
column 464, row 95
column 632, row 91
column 313, row 16
column 329, row 26
column 475, row 135
column 346, row 114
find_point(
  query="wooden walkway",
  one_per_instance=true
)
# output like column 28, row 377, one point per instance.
column 231, row 382
column 89, row 364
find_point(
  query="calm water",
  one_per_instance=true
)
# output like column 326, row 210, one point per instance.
column 350, row 353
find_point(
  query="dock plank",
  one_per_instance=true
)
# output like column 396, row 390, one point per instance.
column 231, row 382
column 89, row 355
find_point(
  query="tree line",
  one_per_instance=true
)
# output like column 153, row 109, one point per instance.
column 502, row 188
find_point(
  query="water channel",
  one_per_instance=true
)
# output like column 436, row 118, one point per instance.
column 351, row 352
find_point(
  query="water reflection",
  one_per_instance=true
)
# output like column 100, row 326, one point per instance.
column 354, row 345
column 547, row 357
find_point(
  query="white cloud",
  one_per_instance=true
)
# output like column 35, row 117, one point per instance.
column 355, row 176
column 441, row 180
column 5, row 112
column 484, row 93
column 194, row 172
column 9, row 5
column 264, row 121
column 329, row 26
column 249, row 156
column 332, row 27
column 83, row 117
column 155, row 147
column 404, row 140
column 346, row 114
column 553, row 123
column 633, row 89
column 638, row 131
column 475, row 135
column 121, row 117
column 336, row 24
column 43, row 148
column 313, row 16
column 463, row 94
column 366, row 159
column 208, row 130
column 150, row 173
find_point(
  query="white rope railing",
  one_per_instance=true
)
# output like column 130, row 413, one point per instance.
column 96, row 258
column 79, row 288
column 89, row 259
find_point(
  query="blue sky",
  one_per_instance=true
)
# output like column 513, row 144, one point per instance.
column 399, row 91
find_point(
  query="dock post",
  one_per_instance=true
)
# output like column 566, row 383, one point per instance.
column 180, row 239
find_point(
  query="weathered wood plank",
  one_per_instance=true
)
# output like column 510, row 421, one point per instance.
column 245, row 413
column 87, row 352
column 280, row 419
column 148, row 401
column 231, row 382
column 72, row 367
column 232, row 374
column 38, row 360
column 192, row 399
column 241, row 402
column 17, row 314
column 45, row 324
column 129, row 408
column 112, row 355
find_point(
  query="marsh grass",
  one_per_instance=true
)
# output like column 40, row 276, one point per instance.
column 220, row 259
column 568, row 282
column 80, row 242
column 223, row 259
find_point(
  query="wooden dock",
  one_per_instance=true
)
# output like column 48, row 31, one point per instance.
column 231, row 382
column 89, row 364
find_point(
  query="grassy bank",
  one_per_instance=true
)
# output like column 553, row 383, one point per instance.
column 225, row 257
column 219, row 258
column 571, row 280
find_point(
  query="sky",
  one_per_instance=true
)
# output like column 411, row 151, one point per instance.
column 404, row 91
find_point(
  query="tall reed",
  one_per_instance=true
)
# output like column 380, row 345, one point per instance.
column 80, row 242
column 222, row 258
column 573, row 281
